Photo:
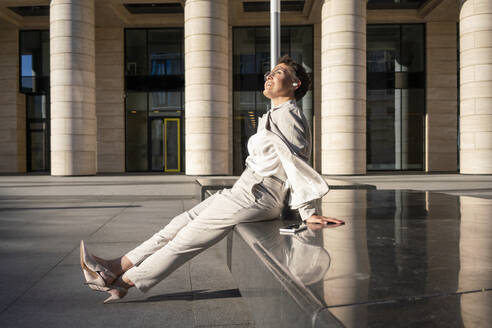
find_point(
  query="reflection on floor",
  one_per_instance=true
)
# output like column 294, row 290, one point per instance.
column 403, row 258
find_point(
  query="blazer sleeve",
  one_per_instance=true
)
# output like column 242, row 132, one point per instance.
column 294, row 151
column 308, row 209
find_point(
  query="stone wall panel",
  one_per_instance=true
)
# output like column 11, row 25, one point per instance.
column 110, row 101
column 441, row 100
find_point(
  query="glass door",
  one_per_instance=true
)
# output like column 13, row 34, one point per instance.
column 136, row 132
column 38, row 133
column 166, row 144
column 157, row 143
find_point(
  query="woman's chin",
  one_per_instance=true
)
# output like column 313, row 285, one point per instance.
column 267, row 94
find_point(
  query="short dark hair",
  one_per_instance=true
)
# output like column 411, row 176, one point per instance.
column 300, row 74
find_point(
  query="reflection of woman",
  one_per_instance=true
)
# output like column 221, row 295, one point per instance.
column 302, row 254
column 277, row 163
column 307, row 260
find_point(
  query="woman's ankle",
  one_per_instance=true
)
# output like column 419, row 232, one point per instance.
column 117, row 266
column 125, row 264
column 123, row 282
column 109, row 265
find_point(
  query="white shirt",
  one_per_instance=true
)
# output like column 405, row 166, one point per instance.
column 282, row 147
column 263, row 159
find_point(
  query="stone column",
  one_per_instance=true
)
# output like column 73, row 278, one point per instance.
column 476, row 87
column 73, row 115
column 206, row 87
column 343, row 84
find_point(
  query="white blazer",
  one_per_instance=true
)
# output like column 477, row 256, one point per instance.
column 287, row 129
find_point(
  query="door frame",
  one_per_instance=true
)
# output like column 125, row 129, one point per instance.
column 164, row 134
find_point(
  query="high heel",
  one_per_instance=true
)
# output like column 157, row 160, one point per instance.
column 115, row 292
column 95, row 274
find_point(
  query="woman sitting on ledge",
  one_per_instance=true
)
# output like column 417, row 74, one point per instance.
column 277, row 162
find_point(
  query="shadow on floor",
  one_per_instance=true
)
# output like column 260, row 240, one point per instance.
column 190, row 296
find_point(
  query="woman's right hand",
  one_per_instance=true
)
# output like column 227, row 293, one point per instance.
column 316, row 222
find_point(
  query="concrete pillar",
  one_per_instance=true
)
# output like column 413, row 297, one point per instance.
column 206, row 87
column 476, row 87
column 12, row 105
column 73, row 115
column 343, row 87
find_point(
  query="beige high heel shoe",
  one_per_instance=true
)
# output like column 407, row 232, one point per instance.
column 115, row 292
column 95, row 274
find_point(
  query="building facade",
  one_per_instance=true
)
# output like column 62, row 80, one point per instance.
column 171, row 86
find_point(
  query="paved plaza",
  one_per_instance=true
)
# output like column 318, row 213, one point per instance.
column 43, row 218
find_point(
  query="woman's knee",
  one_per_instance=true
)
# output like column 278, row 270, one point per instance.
column 195, row 239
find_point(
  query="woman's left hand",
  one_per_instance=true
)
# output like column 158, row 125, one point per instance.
column 315, row 222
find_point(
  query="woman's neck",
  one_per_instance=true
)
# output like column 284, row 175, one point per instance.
column 281, row 100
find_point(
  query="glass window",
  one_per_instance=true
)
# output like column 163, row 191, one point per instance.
column 251, row 59
column 395, row 97
column 165, row 52
column 383, row 48
column 154, row 59
column 262, row 49
column 412, row 57
column 36, row 107
column 136, row 52
column 164, row 101
column 45, row 53
column 34, row 71
column 301, row 50
column 34, row 58
column 26, row 66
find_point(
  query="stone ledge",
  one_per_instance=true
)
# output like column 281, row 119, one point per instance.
column 214, row 183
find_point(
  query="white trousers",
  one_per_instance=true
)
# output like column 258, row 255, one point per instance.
column 252, row 198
